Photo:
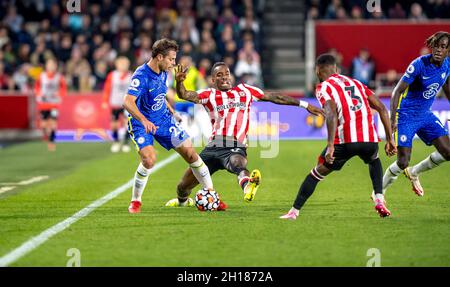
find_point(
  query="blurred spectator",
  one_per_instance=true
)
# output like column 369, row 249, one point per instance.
column 332, row 9
column 120, row 21
column 78, row 72
column 20, row 79
column 356, row 13
column 389, row 80
column 144, row 50
column 249, row 22
column 248, row 69
column 416, row 13
column 341, row 13
column 424, row 51
column 206, row 9
column 313, row 13
column 363, row 68
column 4, row 38
column 397, row 11
column 13, row 20
column 5, row 81
column 100, row 74
column 86, row 44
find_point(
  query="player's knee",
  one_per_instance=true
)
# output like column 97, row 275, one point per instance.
column 403, row 163
column 148, row 160
column 446, row 155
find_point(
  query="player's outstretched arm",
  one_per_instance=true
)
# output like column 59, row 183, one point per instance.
column 180, row 76
column 376, row 104
column 399, row 89
column 331, row 121
column 129, row 103
column 280, row 99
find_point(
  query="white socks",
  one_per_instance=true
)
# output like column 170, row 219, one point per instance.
column 391, row 175
column 140, row 181
column 430, row 162
column 201, row 173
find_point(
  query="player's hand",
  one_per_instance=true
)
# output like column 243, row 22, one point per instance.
column 149, row 127
column 315, row 110
column 390, row 148
column 180, row 73
column 394, row 126
column 178, row 117
column 104, row 106
column 329, row 158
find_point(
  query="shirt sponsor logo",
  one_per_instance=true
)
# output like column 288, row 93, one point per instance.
column 238, row 105
column 431, row 91
column 159, row 102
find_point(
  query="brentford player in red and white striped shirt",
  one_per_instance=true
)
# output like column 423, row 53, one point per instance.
column 351, row 132
column 115, row 88
column 355, row 121
column 229, row 110
column 50, row 90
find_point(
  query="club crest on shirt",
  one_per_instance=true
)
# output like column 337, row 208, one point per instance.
column 141, row 140
column 443, row 75
column 403, row 138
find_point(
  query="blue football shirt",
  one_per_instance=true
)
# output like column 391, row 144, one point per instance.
column 425, row 80
column 150, row 89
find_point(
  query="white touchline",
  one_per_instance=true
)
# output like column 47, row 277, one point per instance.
column 38, row 240
column 6, row 188
column 27, row 181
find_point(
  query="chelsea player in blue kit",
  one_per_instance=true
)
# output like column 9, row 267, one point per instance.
column 411, row 112
column 151, row 119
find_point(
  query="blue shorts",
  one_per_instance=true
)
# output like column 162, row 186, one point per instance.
column 427, row 126
column 169, row 134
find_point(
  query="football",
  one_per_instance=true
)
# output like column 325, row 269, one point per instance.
column 207, row 200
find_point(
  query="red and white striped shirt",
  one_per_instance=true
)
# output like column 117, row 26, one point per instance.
column 230, row 110
column 355, row 121
column 116, row 86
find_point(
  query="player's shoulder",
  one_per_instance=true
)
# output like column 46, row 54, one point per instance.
column 251, row 88
column 139, row 78
column 421, row 61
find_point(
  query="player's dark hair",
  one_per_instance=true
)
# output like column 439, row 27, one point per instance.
column 217, row 64
column 163, row 46
column 434, row 39
column 325, row 60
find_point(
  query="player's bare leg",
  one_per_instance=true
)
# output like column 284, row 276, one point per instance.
column 397, row 168
column 307, row 188
column 442, row 155
column 249, row 182
column 184, row 189
column 115, row 147
column 51, row 146
column 148, row 159
column 125, row 146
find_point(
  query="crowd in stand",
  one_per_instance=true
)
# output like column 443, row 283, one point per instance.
column 87, row 43
column 414, row 10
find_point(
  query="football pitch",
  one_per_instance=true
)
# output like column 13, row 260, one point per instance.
column 338, row 226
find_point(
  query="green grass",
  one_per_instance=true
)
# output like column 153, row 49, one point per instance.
column 336, row 226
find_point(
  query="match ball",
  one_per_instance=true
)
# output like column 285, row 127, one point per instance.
column 207, row 200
